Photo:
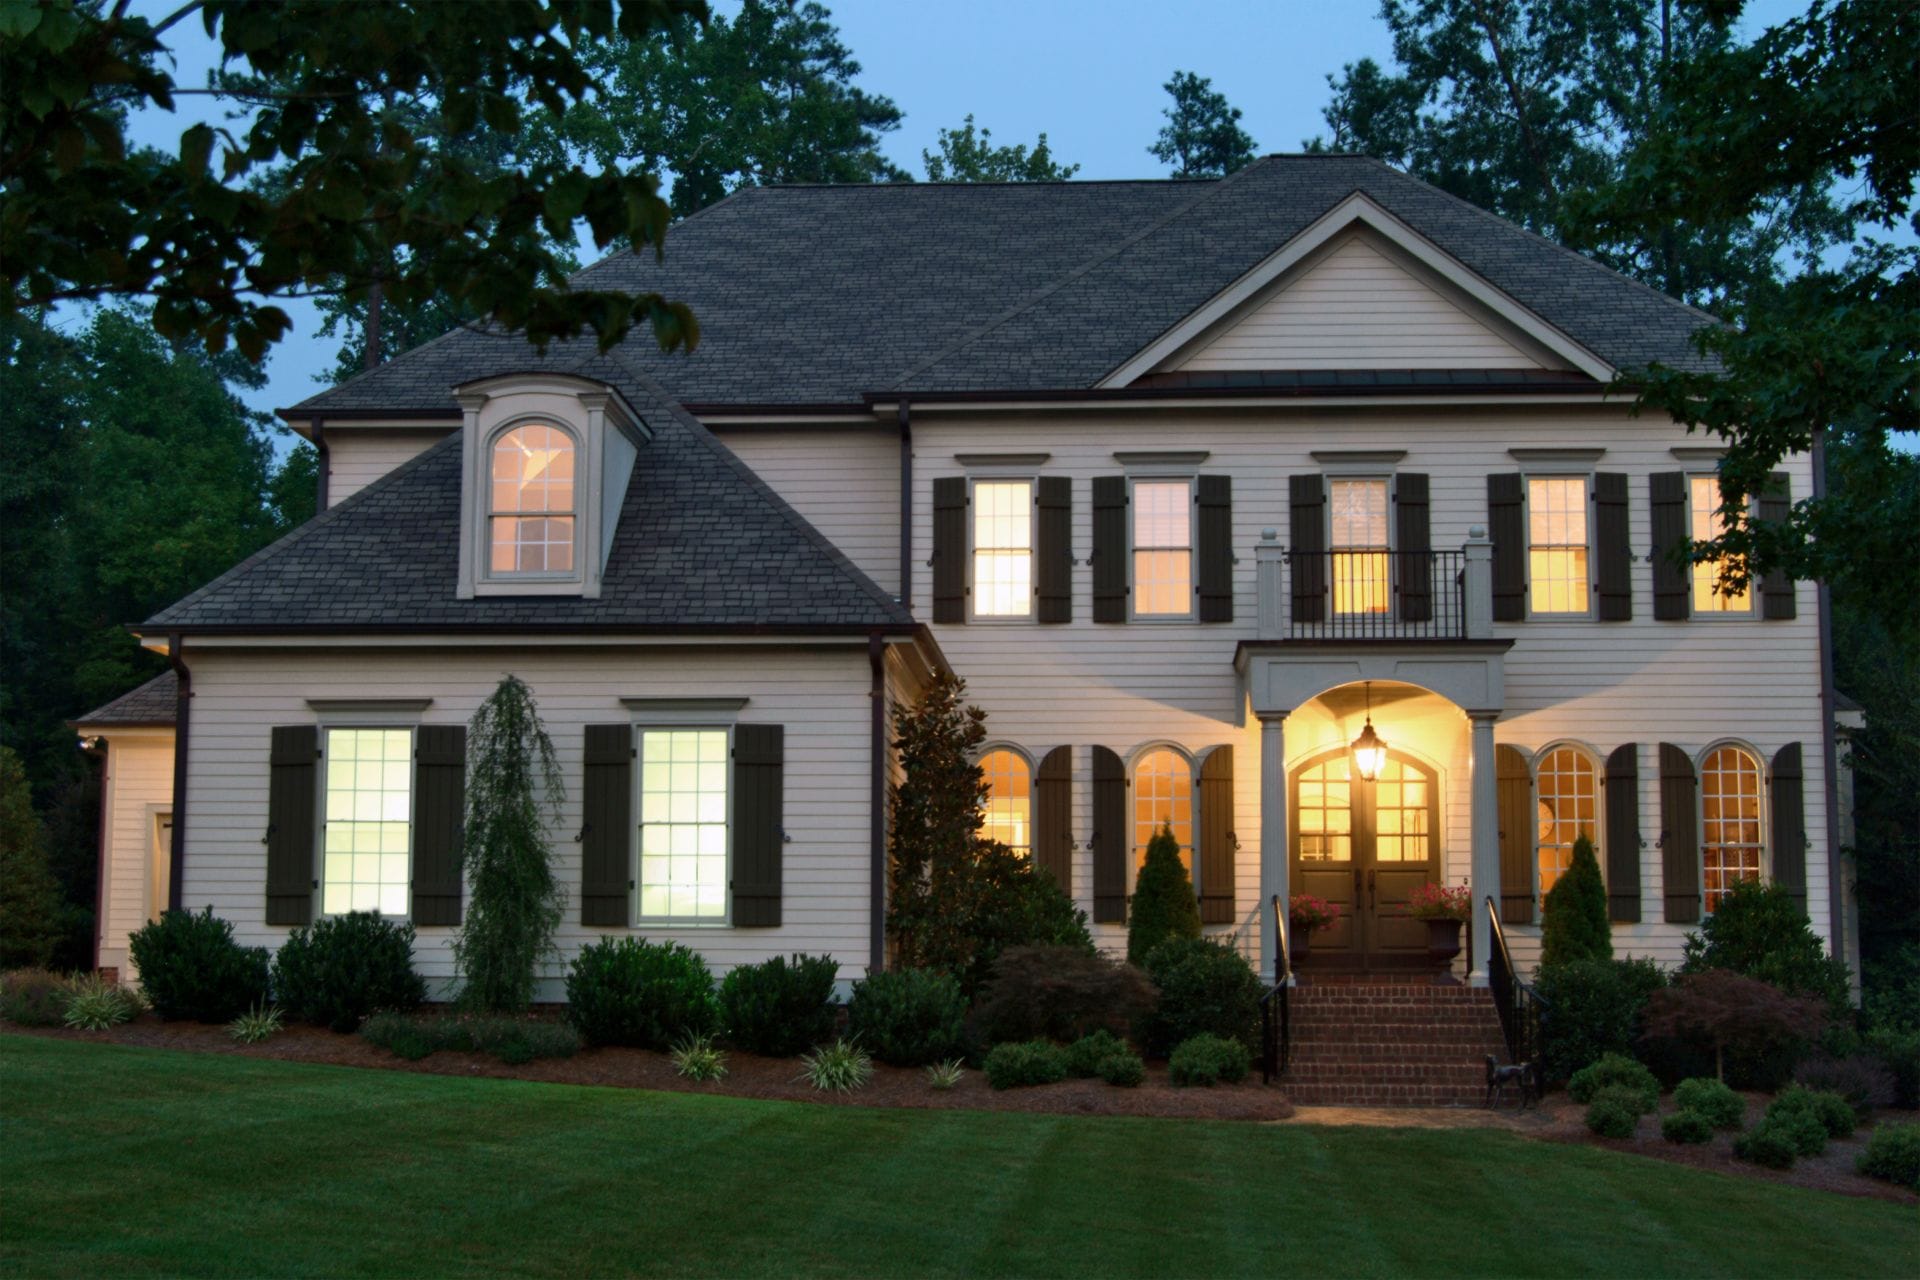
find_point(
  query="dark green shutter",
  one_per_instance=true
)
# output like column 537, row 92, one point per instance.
column 1053, row 548
column 1507, row 527
column 1214, row 496
column 1109, row 837
column 1307, row 550
column 1217, row 838
column 293, row 796
column 1612, row 547
column 1109, row 548
column 1790, row 823
column 1413, row 539
column 1623, row 834
column 950, row 549
column 1667, row 492
column 759, row 833
column 1679, row 836
column 606, row 827
column 439, row 814
column 1516, row 835
column 1053, row 817
column 1776, row 588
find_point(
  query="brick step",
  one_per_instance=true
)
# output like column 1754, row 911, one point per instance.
column 1384, row 1031
column 1381, row 1096
column 1384, row 1055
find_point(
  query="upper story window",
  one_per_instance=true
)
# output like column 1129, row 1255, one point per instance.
column 1162, row 797
column 1730, row 845
column 1557, row 544
column 368, row 799
column 1706, row 524
column 1008, row 812
column 532, row 505
column 1162, row 549
column 1003, row 548
column 1568, row 791
column 1357, row 512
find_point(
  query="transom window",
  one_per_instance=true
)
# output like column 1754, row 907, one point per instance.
column 1730, row 844
column 1003, row 548
column 1703, row 493
column 1008, row 811
column 1568, row 790
column 1162, row 796
column 1324, row 799
column 683, row 824
column 1361, row 575
column 1162, row 548
column 531, row 505
column 369, row 821
column 1557, row 543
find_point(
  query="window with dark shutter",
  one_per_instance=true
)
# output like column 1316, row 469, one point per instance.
column 1214, row 496
column 1672, row 576
column 1776, row 588
column 1507, row 528
column 1679, row 835
column 1307, row 549
column 292, row 823
column 1053, row 585
column 1516, row 835
column 1613, row 547
column 1109, row 837
column 1623, row 834
column 759, row 833
column 1109, row 548
column 1413, row 537
column 1789, row 823
column 1217, row 839
column 606, row 827
column 950, row 549
column 439, row 815
column 1053, row 817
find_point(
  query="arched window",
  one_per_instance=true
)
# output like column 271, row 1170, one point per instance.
column 1009, row 807
column 1162, row 796
column 531, row 505
column 1323, row 807
column 1568, row 791
column 1730, row 845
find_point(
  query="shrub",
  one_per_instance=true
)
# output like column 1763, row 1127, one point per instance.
column 1616, row 1071
column 1687, row 1127
column 1573, row 921
column 1124, row 1070
column 1862, row 1080
column 1831, row 1111
column 1204, row 987
column 1898, row 1050
column 909, row 1017
column 31, row 910
column 1085, row 1055
column 1893, row 1153
column 1207, row 1060
column 1801, row 1128
column 34, row 997
column 512, row 1040
column 1731, row 1012
column 779, row 1007
column 1765, row 1144
column 1058, row 993
column 1615, row 1112
column 256, row 1024
column 840, row 1067
column 696, row 1058
column 1017, row 1064
column 639, row 993
column 337, row 971
column 192, row 969
column 1712, row 1101
column 1595, row 1007
column 95, row 1004
column 1164, row 905
column 1758, row 931
column 945, row 1075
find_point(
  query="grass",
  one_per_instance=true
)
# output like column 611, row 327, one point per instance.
column 133, row 1162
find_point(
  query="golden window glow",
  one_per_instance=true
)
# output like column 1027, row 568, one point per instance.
column 1569, row 789
column 1400, row 809
column 1362, row 578
column 1708, row 524
column 1003, row 548
column 531, row 520
column 1162, row 796
column 369, row 812
column 1323, row 799
column 683, row 824
column 1730, row 847
column 1557, row 543
column 1009, row 806
column 1162, row 548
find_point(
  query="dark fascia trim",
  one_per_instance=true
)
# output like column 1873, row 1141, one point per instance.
column 1117, row 395
column 84, row 726
column 613, row 631
column 722, row 408
column 449, row 415
column 182, row 723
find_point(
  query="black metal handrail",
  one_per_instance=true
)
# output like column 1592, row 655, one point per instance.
column 1377, row 595
column 1523, row 1014
column 1276, row 1029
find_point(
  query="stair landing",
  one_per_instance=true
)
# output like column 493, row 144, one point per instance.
column 1390, row 1042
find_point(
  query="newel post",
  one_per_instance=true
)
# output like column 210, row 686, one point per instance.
column 1478, row 588
column 1269, row 572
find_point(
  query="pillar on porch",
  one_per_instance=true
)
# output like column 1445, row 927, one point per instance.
column 1273, row 832
column 1486, row 840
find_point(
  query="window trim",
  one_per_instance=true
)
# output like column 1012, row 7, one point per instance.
column 1191, row 479
column 721, row 720
column 974, row 480
column 575, row 511
column 1597, row 762
column 1694, row 611
column 1135, row 853
column 1584, row 473
column 374, row 721
column 1026, row 759
column 1348, row 475
column 1763, row 804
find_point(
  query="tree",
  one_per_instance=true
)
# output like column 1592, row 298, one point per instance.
column 1202, row 137
column 1574, row 923
column 29, row 901
column 967, row 156
column 1164, row 905
column 1730, row 1012
column 514, row 899
column 84, row 216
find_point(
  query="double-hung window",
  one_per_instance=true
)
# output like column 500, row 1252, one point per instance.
column 684, row 848
column 1162, row 549
column 1003, row 548
column 531, row 502
column 1557, row 544
column 1706, row 524
column 1362, row 579
column 368, row 798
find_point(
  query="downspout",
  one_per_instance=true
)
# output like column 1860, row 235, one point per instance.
column 906, row 503
column 323, row 466
column 182, row 718
column 877, row 809
column 100, row 849
column 1829, row 753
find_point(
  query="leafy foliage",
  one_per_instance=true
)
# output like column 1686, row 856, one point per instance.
column 1729, row 1011
column 1020, row 1064
column 840, row 1067
column 1758, row 930
column 1202, row 137
column 1059, row 993
column 1711, row 1100
column 697, row 1058
column 192, row 969
column 909, row 1017
column 1618, row 1072
column 1614, row 1113
column 1207, row 1060
column 34, row 997
column 342, row 968
column 1574, row 924
column 1595, row 1009
column 1205, row 987
column 95, row 1003
column 1164, row 905
column 1893, row 1154
column 633, row 992
column 967, row 156
column 779, row 1007
column 29, row 899
column 258, row 1024
column 512, row 1040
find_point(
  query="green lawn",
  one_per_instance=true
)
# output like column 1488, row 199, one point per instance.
column 121, row 1161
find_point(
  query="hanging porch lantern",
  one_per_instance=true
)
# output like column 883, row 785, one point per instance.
column 1369, row 749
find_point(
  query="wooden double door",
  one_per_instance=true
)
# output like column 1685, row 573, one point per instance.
column 1365, row 846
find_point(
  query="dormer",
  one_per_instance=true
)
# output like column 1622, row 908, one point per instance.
column 545, row 461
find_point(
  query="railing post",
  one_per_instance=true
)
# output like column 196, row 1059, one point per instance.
column 1478, row 604
column 1269, row 570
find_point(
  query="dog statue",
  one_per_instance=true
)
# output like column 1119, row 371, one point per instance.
column 1523, row 1075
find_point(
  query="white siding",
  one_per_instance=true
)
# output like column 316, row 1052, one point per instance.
column 1355, row 309
column 358, row 457
column 137, row 786
column 844, row 481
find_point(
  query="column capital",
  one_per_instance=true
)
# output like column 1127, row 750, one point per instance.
column 1271, row 717
column 1482, row 717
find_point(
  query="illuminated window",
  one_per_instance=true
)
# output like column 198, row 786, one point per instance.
column 1568, row 791
column 1009, row 807
column 683, row 824
column 369, row 821
column 531, row 512
column 1557, row 543
column 1730, row 843
column 1162, row 548
column 1003, row 548
column 1162, row 796
column 1323, row 802
column 1361, row 578
column 1708, row 524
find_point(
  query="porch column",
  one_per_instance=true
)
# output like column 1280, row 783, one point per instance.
column 1486, row 840
column 1273, row 832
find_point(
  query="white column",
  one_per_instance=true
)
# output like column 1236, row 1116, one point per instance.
column 1273, row 832
column 1486, row 839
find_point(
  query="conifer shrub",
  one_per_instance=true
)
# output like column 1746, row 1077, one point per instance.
column 1712, row 1101
column 1019, row 1064
column 779, row 1007
column 1205, row 987
column 192, row 970
column 1687, row 1128
column 1573, row 923
column 909, row 1017
column 1058, row 993
column 1164, row 904
column 1616, row 1071
column 1085, row 1055
column 1206, row 1060
column 639, row 993
column 337, row 971
column 1892, row 1154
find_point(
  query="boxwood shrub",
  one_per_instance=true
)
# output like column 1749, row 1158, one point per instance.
column 1616, row 1071
column 1687, row 1127
column 1123, row 1069
column 639, row 993
column 1085, row 1055
column 1615, row 1112
column 1833, row 1113
column 1712, row 1101
column 339, row 970
column 1207, row 1060
column 779, row 1007
column 909, row 1017
column 1893, row 1154
column 192, row 970
column 1019, row 1063
column 1767, row 1144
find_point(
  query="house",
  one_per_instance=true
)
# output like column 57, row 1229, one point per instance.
column 1193, row 482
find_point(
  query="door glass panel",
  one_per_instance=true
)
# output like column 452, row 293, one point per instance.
column 1400, row 815
column 1325, row 805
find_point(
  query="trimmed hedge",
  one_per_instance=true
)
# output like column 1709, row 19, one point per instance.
column 1712, row 1101
column 193, row 971
column 337, row 971
column 1615, row 1112
column 1018, row 1064
column 1616, row 1071
column 1207, row 1060
column 909, row 1017
column 644, row 994
column 1687, row 1127
column 779, row 1007
column 1893, row 1154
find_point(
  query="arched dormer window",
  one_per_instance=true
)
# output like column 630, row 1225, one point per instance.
column 532, row 504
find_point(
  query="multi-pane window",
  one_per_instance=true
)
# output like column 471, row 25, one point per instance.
column 530, row 516
column 1569, row 805
column 1323, row 802
column 369, row 821
column 1003, row 548
column 1361, row 577
column 1730, row 843
column 1008, row 811
column 1162, row 796
column 683, row 824
column 1557, row 543
column 1703, row 493
column 1401, row 805
column 1162, row 548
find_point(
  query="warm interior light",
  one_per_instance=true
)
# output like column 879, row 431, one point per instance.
column 1369, row 749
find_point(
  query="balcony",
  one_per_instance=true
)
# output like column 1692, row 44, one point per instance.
column 1343, row 597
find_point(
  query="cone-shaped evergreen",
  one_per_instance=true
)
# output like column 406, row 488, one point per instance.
column 1164, row 905
column 1575, row 926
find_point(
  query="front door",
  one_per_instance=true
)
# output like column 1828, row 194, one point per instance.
column 1364, row 846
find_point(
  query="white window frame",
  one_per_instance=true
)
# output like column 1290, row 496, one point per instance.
column 1598, row 764
column 574, row 512
column 1762, row 809
column 974, row 613
column 658, row 715
column 1385, row 480
column 1137, row 852
column 1751, row 608
column 1033, row 784
column 370, row 722
column 1191, row 481
column 1585, row 477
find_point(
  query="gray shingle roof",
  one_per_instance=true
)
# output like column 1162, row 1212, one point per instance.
column 825, row 294
column 153, row 703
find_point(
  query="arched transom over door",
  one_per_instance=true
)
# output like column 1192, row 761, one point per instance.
column 1365, row 846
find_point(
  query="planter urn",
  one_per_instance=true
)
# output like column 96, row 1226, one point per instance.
column 1443, row 942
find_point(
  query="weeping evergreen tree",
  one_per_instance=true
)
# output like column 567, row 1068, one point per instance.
column 1164, row 905
column 514, row 900
column 1574, row 924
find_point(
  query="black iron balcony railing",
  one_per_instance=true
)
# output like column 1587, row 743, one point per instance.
column 1376, row 595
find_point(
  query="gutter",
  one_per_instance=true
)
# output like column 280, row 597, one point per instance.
column 182, row 723
column 905, row 414
column 877, row 808
column 1829, row 752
